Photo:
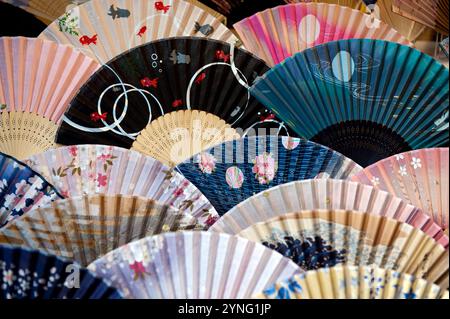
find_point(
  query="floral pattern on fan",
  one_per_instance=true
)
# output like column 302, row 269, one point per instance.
column 353, row 282
column 320, row 248
column 86, row 169
column 18, row 283
column 21, row 189
column 265, row 168
column 309, row 253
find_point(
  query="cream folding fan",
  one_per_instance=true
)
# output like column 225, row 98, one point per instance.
column 278, row 33
column 419, row 177
column 177, row 136
column 432, row 13
column 103, row 29
column 37, row 80
column 325, row 194
column 353, row 282
column 89, row 169
column 192, row 265
column 325, row 238
column 84, row 228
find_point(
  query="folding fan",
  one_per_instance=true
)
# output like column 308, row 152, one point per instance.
column 278, row 33
column 433, row 14
column 21, row 189
column 235, row 10
column 104, row 29
column 193, row 265
column 326, row 238
column 37, row 80
column 132, row 90
column 176, row 136
column 444, row 47
column 325, row 194
column 229, row 173
column 353, row 282
column 341, row 94
column 355, row 4
column 84, row 228
column 46, row 10
column 419, row 177
column 32, row 274
column 90, row 169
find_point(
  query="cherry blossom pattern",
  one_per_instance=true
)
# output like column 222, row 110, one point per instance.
column 206, row 163
column 264, row 168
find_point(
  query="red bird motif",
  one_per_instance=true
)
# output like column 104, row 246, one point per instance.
column 159, row 6
column 267, row 117
column 142, row 31
column 200, row 78
column 85, row 40
column 177, row 103
column 95, row 117
column 220, row 55
column 147, row 82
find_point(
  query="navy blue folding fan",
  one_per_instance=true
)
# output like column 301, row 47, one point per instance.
column 229, row 173
column 21, row 189
column 30, row 274
column 367, row 99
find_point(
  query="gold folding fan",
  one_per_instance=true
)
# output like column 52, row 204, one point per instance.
column 179, row 135
column 85, row 228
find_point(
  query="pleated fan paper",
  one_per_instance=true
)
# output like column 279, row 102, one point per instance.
column 21, row 189
column 85, row 228
column 104, row 29
column 229, row 173
column 353, row 282
column 235, row 10
column 420, row 35
column 192, row 265
column 32, row 274
column 433, row 14
column 325, row 194
column 326, row 238
column 341, row 94
column 160, row 77
column 177, row 136
column 37, row 80
column 419, row 177
column 278, row 33
column 98, row 169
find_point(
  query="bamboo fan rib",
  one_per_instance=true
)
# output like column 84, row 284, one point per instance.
column 353, row 282
column 23, row 134
column 175, row 137
column 98, row 169
column 419, row 177
column 341, row 94
column 229, row 173
column 278, row 33
column 192, row 265
column 325, row 238
column 83, row 229
column 432, row 13
column 37, row 80
column 104, row 29
column 325, row 194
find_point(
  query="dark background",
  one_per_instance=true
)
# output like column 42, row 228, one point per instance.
column 17, row 22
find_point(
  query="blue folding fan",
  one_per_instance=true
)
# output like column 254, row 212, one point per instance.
column 368, row 99
column 21, row 189
column 229, row 173
column 30, row 274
